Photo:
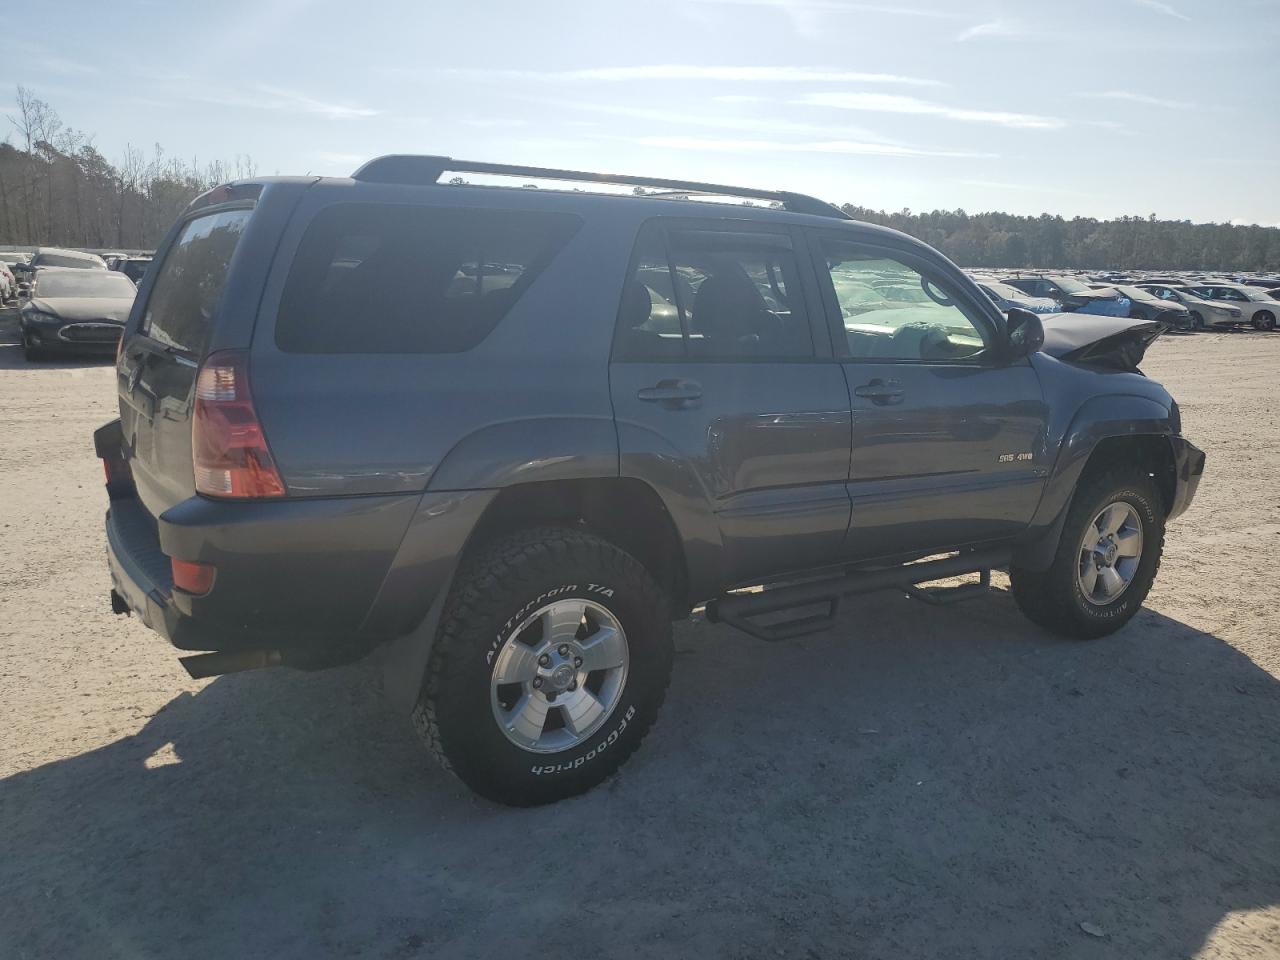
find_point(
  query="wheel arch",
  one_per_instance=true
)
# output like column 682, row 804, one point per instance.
column 623, row 510
column 1105, row 430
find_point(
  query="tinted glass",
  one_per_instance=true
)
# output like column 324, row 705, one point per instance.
column 892, row 312
column 84, row 283
column 720, row 296
column 134, row 269
column 1067, row 285
column 376, row 278
column 67, row 260
column 189, row 286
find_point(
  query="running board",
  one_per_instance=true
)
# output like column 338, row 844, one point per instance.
column 741, row 610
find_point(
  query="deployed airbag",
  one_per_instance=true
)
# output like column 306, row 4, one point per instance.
column 1113, row 343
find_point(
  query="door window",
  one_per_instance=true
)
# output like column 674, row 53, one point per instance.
column 713, row 295
column 893, row 312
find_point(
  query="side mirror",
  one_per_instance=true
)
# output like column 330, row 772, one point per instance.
column 1026, row 333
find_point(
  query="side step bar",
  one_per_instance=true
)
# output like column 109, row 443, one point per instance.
column 741, row 610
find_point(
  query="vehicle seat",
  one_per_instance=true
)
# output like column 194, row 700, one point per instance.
column 634, row 341
column 732, row 317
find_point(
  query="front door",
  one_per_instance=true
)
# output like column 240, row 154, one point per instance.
column 949, row 437
column 715, row 364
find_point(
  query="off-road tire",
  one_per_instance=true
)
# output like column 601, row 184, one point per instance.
column 1053, row 598
column 502, row 584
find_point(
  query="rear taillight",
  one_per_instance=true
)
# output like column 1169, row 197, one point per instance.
column 229, row 451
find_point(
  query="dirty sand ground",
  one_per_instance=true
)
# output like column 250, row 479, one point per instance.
column 912, row 783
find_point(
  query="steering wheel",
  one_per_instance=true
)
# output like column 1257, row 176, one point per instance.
column 934, row 294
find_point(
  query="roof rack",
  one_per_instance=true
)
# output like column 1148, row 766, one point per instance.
column 422, row 170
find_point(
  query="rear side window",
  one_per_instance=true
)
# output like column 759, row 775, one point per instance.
column 379, row 278
column 712, row 295
column 189, row 286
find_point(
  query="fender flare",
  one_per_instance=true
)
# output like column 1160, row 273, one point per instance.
column 1098, row 418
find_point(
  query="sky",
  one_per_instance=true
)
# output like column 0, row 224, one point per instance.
column 1093, row 108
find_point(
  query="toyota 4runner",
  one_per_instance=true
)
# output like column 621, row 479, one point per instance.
column 510, row 435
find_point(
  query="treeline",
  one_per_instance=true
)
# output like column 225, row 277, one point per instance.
column 57, row 189
column 1004, row 240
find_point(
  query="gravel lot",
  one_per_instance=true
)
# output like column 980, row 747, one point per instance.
column 911, row 783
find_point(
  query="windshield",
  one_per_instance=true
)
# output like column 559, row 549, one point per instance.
column 87, row 283
column 1071, row 286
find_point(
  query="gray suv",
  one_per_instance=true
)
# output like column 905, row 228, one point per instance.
column 510, row 435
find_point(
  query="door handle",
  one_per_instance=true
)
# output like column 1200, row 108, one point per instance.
column 883, row 392
column 672, row 393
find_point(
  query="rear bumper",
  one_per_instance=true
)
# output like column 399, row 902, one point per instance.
column 1189, row 468
column 299, row 575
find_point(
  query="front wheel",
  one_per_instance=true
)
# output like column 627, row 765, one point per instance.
column 551, row 664
column 1197, row 321
column 1264, row 320
column 1106, row 561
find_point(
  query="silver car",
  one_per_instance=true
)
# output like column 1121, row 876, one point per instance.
column 1204, row 313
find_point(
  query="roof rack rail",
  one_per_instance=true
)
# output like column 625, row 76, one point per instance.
column 422, row 170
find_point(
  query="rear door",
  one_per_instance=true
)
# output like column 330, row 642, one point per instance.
column 721, row 360
column 158, row 363
column 948, row 437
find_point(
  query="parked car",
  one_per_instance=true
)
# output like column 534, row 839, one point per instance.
column 1204, row 313
column 132, row 267
column 1256, row 307
column 73, row 310
column 576, row 476
column 1072, row 295
column 1007, row 297
column 58, row 257
column 1145, row 305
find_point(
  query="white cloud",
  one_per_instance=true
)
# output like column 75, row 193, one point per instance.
column 1142, row 98
column 846, row 147
column 687, row 72
column 1159, row 7
column 993, row 28
column 658, row 119
column 286, row 101
column 739, row 98
column 836, row 6
column 892, row 103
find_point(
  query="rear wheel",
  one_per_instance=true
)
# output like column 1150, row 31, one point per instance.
column 550, row 666
column 1264, row 320
column 1106, row 561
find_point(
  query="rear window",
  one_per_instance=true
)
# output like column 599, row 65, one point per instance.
column 378, row 278
column 67, row 260
column 84, row 283
column 189, row 286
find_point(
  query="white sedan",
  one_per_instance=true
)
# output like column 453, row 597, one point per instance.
column 1257, row 308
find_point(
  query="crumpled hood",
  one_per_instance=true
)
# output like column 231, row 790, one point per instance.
column 1115, row 343
column 85, row 308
